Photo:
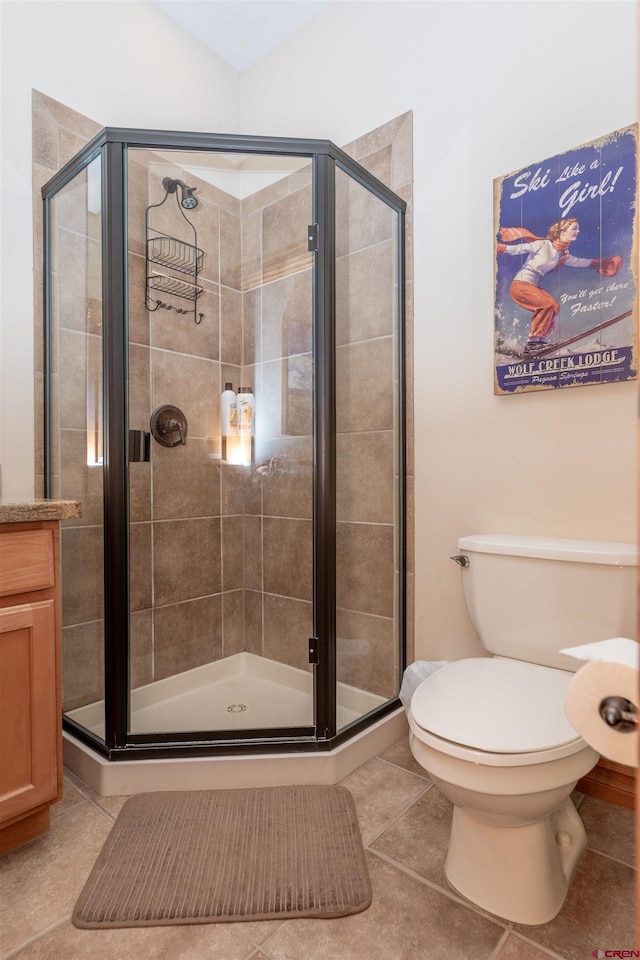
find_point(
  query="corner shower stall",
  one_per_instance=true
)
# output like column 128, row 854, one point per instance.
column 237, row 580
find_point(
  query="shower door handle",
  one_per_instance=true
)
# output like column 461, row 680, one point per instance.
column 139, row 446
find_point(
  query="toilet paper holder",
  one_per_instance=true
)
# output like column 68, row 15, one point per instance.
column 619, row 713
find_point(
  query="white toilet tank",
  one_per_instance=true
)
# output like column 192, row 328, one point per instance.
column 529, row 597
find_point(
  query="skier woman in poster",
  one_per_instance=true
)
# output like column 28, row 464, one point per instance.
column 543, row 256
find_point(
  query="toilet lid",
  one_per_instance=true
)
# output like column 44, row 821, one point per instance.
column 496, row 705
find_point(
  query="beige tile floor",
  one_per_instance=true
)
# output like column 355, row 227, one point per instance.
column 414, row 915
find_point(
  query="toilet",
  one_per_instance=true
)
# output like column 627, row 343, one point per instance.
column 491, row 731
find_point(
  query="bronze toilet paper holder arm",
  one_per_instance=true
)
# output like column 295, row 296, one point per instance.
column 619, row 713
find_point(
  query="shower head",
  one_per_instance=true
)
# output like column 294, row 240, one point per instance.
column 188, row 201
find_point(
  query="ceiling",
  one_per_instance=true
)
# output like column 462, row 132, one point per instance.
column 241, row 32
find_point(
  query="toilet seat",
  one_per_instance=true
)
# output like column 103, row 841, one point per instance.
column 496, row 711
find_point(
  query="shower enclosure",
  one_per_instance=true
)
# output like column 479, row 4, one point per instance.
column 237, row 580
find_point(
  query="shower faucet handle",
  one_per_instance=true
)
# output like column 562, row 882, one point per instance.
column 169, row 426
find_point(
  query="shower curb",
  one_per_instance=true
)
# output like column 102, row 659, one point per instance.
column 211, row 773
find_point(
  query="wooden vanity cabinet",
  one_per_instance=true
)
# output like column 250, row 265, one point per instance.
column 30, row 679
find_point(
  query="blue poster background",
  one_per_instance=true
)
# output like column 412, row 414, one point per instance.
column 596, row 184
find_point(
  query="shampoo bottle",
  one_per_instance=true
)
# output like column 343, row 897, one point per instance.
column 228, row 418
column 246, row 423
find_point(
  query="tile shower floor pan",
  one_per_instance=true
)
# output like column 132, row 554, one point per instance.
column 240, row 692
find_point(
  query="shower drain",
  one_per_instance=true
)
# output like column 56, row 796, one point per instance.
column 237, row 708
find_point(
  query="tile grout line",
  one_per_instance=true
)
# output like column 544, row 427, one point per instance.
column 63, row 814
column 92, row 802
column 548, row 951
column 445, row 891
column 255, row 952
column 263, row 946
column 77, row 784
column 390, row 823
column 116, row 796
column 35, row 938
column 608, row 856
column 397, row 766
column 495, row 953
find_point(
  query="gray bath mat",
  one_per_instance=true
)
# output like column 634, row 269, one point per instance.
column 215, row 856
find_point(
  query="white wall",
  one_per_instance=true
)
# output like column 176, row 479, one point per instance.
column 123, row 64
column 493, row 86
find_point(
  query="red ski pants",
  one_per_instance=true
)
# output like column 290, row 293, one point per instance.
column 544, row 308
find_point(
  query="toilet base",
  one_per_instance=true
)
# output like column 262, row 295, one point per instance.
column 520, row 873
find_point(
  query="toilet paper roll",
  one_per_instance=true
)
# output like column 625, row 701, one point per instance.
column 611, row 671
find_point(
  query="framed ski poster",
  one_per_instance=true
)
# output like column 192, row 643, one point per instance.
column 565, row 278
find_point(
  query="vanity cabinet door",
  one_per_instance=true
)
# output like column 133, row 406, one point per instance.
column 28, row 720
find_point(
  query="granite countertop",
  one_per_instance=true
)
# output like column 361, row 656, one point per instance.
column 22, row 511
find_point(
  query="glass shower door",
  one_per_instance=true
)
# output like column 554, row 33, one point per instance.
column 369, row 541
column 74, row 416
column 220, row 292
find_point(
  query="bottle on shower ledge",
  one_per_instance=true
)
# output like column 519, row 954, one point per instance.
column 246, row 423
column 228, row 418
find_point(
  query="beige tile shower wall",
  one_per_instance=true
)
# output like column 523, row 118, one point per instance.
column 277, row 342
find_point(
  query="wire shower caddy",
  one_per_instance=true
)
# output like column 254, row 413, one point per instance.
column 177, row 257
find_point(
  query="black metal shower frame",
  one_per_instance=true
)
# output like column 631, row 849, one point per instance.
column 112, row 145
